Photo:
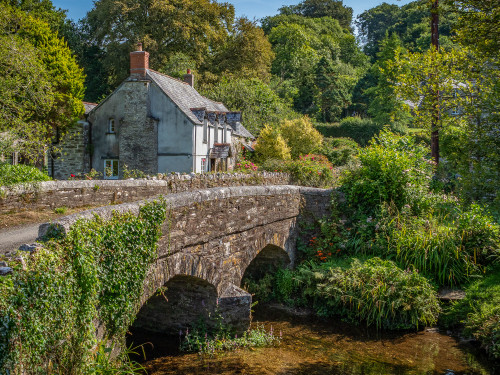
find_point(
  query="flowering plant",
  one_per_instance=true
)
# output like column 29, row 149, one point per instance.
column 245, row 166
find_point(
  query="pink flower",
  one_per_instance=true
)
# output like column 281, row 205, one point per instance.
column 72, row 175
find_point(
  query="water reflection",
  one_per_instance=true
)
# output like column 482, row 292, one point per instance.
column 318, row 347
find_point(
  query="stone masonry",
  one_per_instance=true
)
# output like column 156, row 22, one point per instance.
column 74, row 153
column 209, row 239
column 71, row 194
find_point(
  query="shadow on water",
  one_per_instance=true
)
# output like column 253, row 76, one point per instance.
column 313, row 346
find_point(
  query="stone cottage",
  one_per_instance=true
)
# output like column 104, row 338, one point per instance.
column 157, row 124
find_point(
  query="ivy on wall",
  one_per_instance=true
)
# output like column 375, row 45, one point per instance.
column 51, row 303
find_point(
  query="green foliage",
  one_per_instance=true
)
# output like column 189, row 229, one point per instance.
column 20, row 174
column 450, row 249
column 271, row 145
column 318, row 59
column 374, row 291
column 356, row 128
column 309, row 170
column 340, row 151
column 393, row 169
column 300, row 136
column 385, row 106
column 198, row 342
column 196, row 28
column 246, row 53
column 479, row 25
column 479, row 312
column 54, row 99
column 409, row 22
column 258, row 102
column 51, row 303
column 61, row 210
column 132, row 173
column 41, row 9
column 321, row 8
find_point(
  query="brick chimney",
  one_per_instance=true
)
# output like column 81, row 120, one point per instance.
column 139, row 62
column 189, row 78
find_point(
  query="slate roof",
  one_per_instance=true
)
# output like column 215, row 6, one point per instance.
column 89, row 107
column 184, row 96
column 241, row 131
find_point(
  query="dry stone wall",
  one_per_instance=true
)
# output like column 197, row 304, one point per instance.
column 72, row 194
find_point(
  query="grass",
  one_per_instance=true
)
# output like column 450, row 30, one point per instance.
column 479, row 312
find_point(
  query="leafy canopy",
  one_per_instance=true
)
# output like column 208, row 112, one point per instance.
column 42, row 84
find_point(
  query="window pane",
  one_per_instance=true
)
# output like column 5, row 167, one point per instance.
column 115, row 168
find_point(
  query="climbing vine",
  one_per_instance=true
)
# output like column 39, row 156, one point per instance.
column 51, row 303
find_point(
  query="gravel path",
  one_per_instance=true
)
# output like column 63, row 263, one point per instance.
column 12, row 238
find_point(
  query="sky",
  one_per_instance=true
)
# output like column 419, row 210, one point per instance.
column 249, row 8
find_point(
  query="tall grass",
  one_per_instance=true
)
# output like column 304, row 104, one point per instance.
column 374, row 291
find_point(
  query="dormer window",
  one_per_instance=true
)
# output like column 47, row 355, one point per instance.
column 111, row 126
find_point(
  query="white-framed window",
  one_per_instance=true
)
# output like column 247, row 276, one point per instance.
column 111, row 170
column 111, row 126
column 203, row 165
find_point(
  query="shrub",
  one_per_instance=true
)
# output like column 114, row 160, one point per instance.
column 301, row 136
column 309, row 170
column 393, row 169
column 271, row 145
column 339, row 151
column 20, row 174
column 356, row 128
column 374, row 291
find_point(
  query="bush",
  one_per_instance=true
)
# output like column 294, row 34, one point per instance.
column 339, row 151
column 20, row 174
column 374, row 291
column 271, row 145
column 301, row 136
column 356, row 128
column 308, row 170
column 393, row 169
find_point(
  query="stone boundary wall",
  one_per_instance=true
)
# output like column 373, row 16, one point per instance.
column 78, row 193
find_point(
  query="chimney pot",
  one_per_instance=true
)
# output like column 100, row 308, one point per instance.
column 139, row 46
column 189, row 78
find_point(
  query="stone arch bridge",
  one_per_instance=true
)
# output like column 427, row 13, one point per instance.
column 210, row 239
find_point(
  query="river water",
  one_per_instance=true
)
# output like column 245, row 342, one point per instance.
column 312, row 347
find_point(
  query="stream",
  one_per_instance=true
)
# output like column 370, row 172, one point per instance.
column 311, row 346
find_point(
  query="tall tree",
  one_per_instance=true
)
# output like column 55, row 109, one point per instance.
column 479, row 25
column 193, row 27
column 246, row 53
column 385, row 107
column 321, row 8
column 374, row 23
column 41, row 9
column 61, row 104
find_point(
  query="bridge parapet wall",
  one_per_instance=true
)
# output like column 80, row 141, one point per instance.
column 81, row 193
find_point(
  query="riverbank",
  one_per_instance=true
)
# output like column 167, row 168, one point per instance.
column 316, row 346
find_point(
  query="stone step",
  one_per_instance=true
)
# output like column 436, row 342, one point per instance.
column 449, row 294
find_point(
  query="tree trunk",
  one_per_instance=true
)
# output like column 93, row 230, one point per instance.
column 435, row 107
